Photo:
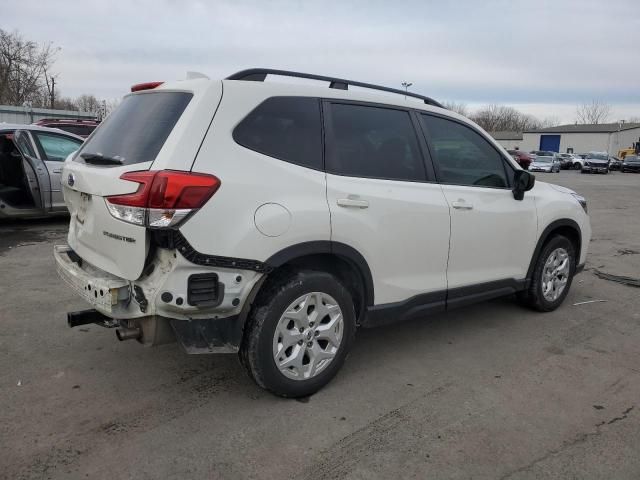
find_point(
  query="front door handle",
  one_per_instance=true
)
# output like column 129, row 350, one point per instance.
column 59, row 170
column 351, row 202
column 462, row 205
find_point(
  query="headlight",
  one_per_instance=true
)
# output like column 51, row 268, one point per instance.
column 581, row 200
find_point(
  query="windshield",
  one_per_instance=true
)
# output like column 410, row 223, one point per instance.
column 136, row 131
column 597, row 156
column 543, row 160
column 632, row 158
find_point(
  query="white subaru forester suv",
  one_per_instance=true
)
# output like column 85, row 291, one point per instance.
column 274, row 219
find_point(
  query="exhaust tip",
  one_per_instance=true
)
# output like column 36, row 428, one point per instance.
column 128, row 334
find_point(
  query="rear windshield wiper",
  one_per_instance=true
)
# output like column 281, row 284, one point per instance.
column 99, row 159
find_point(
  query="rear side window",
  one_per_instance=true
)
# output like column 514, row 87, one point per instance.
column 286, row 128
column 373, row 142
column 138, row 128
column 462, row 156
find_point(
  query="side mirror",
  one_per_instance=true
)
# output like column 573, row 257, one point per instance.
column 523, row 181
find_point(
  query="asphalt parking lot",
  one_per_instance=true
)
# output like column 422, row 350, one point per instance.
column 489, row 391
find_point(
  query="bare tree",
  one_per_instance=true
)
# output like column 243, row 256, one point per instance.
column 22, row 69
column 495, row 118
column 460, row 108
column 88, row 103
column 595, row 111
column 549, row 122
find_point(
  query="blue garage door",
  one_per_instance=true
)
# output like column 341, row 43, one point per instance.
column 550, row 143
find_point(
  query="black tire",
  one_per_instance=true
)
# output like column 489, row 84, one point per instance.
column 256, row 352
column 533, row 296
column 577, row 166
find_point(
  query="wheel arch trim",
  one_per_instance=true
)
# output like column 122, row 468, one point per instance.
column 545, row 235
column 347, row 252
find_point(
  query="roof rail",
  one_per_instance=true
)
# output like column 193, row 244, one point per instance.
column 259, row 75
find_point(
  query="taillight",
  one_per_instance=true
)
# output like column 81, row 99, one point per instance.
column 164, row 198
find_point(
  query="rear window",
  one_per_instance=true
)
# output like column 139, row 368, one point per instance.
column 286, row 128
column 138, row 128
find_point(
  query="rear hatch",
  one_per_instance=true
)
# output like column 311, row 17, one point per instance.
column 156, row 129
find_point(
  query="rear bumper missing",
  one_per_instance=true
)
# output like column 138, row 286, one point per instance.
column 144, row 305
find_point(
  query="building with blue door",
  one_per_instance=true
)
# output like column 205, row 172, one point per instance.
column 581, row 138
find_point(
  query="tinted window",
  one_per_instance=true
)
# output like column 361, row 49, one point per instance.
column 83, row 130
column 374, row 142
column 57, row 147
column 287, row 128
column 462, row 157
column 138, row 128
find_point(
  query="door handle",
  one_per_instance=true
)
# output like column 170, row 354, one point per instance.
column 351, row 202
column 462, row 205
column 58, row 170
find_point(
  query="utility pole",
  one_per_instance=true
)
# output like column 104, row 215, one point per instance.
column 406, row 86
column 53, row 91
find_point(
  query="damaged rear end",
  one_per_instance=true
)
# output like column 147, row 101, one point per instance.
column 129, row 190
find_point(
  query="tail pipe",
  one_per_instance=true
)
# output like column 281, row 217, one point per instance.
column 128, row 333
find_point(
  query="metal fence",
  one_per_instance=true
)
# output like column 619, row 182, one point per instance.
column 25, row 115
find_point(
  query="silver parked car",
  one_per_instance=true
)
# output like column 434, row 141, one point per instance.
column 545, row 162
column 31, row 160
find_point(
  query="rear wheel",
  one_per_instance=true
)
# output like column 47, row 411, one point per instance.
column 299, row 333
column 552, row 275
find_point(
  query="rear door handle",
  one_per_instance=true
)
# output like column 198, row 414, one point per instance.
column 352, row 203
column 462, row 205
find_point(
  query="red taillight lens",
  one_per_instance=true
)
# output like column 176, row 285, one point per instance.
column 166, row 196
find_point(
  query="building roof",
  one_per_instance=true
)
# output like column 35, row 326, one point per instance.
column 506, row 135
column 587, row 128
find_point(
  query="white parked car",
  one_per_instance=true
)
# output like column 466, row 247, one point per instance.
column 274, row 219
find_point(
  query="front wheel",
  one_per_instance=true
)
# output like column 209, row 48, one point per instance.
column 577, row 166
column 552, row 275
column 299, row 333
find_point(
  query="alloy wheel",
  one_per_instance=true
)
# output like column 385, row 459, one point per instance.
column 555, row 274
column 308, row 336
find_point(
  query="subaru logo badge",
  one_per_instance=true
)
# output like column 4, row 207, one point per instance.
column 71, row 180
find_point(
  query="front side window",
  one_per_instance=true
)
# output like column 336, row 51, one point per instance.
column 373, row 142
column 57, row 147
column 286, row 128
column 462, row 156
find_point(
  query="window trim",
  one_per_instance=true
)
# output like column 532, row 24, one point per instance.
column 329, row 147
column 429, row 142
column 41, row 150
column 320, row 118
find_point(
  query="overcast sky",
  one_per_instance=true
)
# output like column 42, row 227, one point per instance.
column 542, row 57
